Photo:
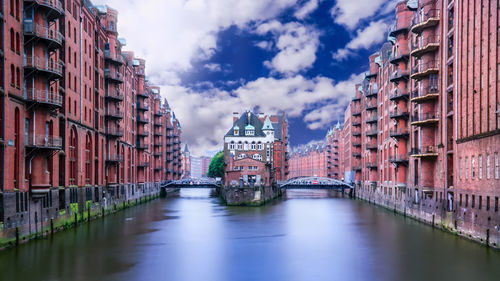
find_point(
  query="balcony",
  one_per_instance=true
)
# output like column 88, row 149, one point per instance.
column 398, row 94
column 356, row 98
column 399, row 113
column 158, row 113
column 49, row 67
column 372, row 165
column 425, row 45
column 52, row 38
column 158, row 143
column 371, row 105
column 142, row 133
column 114, row 158
column 43, row 142
column 143, row 164
column 372, row 90
column 356, row 111
column 398, row 57
column 371, row 74
column 141, row 146
column 372, row 119
column 426, row 119
column 114, row 132
column 421, row 70
column 426, row 151
column 143, row 94
column 158, row 133
column 399, row 133
column 426, row 94
column 425, row 20
column 371, row 146
column 398, row 75
column 357, row 168
column 356, row 122
column 372, row 133
column 159, row 168
column 356, row 143
column 113, row 58
column 44, row 97
column 402, row 25
column 142, row 106
column 356, row 154
column 158, row 154
column 114, row 95
column 142, row 119
column 115, row 114
column 158, row 124
column 356, row 133
column 401, row 159
column 53, row 8
column 115, row 77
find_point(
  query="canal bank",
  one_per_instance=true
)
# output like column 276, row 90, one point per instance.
column 481, row 226
column 79, row 213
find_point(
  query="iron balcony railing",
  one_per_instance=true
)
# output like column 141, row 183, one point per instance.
column 116, row 113
column 399, row 56
column 427, row 116
column 402, row 24
column 429, row 149
column 143, row 133
column 142, row 119
column 114, row 158
column 398, row 93
column 48, row 65
column 399, row 132
column 426, row 92
column 371, row 105
column 143, row 164
column 142, row 106
column 372, row 118
column 30, row 28
column 114, row 132
column 141, row 145
column 53, row 4
column 422, row 20
column 398, row 158
column 113, row 57
column 44, row 96
column 398, row 113
column 113, row 76
column 372, row 164
column 371, row 146
column 114, row 95
column 371, row 132
column 399, row 74
column 44, row 141
column 424, row 68
column 423, row 45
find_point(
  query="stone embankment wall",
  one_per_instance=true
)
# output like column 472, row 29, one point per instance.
column 482, row 226
column 249, row 196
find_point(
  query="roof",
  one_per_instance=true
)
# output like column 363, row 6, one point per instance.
column 247, row 118
column 267, row 124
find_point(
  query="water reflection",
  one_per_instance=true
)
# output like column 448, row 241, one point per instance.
column 305, row 236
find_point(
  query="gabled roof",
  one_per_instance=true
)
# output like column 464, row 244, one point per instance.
column 247, row 118
column 267, row 124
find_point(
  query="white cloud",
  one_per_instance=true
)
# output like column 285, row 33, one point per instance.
column 214, row 67
column 364, row 39
column 171, row 34
column 266, row 45
column 296, row 43
column 350, row 12
column 206, row 116
column 305, row 10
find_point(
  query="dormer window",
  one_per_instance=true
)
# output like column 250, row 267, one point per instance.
column 236, row 130
column 249, row 133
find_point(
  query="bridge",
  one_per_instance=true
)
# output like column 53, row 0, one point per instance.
column 314, row 183
column 193, row 183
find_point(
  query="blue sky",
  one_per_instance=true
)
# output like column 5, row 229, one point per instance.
column 214, row 57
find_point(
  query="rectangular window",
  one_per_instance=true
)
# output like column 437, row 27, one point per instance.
column 480, row 202
column 487, row 203
column 473, row 203
column 460, row 202
column 473, row 167
column 496, row 204
column 480, row 159
column 466, row 168
column 460, row 167
column 466, row 200
column 488, row 172
column 496, row 165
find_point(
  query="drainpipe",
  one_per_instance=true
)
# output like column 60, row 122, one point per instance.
column 81, row 86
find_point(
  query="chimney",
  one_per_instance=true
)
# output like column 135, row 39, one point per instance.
column 235, row 117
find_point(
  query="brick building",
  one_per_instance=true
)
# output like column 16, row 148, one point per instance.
column 318, row 160
column 255, row 150
column 80, row 123
column 428, row 118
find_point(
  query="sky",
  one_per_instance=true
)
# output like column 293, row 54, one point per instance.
column 215, row 57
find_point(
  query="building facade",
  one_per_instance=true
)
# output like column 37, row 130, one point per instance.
column 81, row 126
column 255, row 150
column 428, row 114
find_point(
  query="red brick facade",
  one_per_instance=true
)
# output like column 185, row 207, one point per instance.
column 79, row 121
column 428, row 118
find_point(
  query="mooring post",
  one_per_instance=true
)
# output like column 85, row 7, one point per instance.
column 51, row 226
column 17, row 236
column 487, row 237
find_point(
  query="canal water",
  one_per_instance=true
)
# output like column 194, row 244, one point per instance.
column 305, row 236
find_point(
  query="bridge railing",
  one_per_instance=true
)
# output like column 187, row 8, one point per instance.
column 314, row 182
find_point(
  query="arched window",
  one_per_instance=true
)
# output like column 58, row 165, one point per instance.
column 257, row 157
column 252, row 146
column 88, row 158
column 18, row 43
column 12, row 7
column 73, row 156
column 12, row 40
column 69, row 107
column 17, row 9
column 241, row 156
column 69, row 56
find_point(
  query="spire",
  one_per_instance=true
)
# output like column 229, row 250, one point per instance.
column 186, row 149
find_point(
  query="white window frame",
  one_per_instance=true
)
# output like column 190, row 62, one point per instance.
column 472, row 167
column 488, row 167
column 496, row 165
column 480, row 170
column 466, row 168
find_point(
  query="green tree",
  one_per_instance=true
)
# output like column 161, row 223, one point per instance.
column 216, row 168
